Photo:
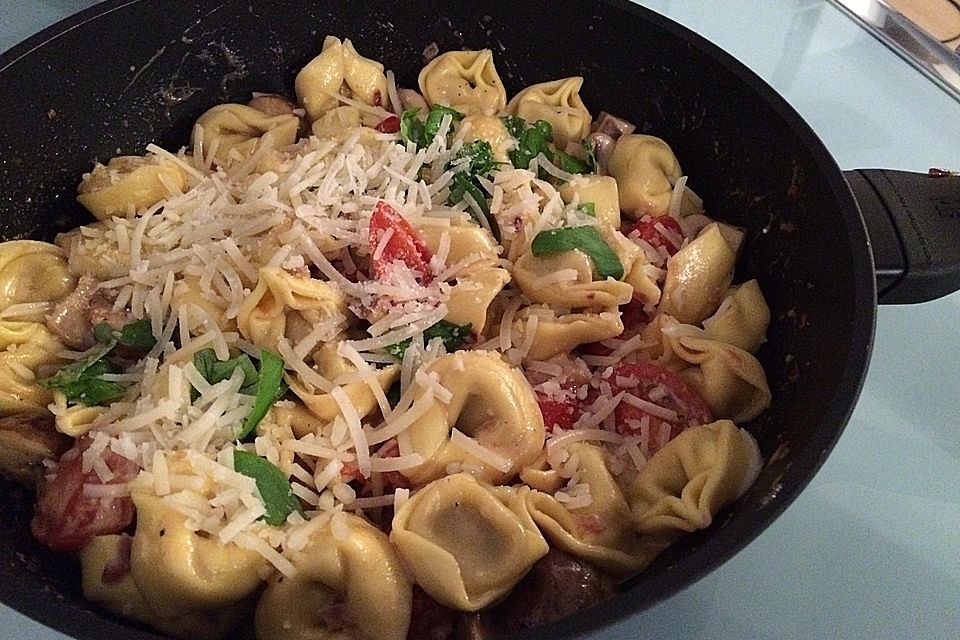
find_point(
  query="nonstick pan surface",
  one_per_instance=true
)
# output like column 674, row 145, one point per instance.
column 124, row 74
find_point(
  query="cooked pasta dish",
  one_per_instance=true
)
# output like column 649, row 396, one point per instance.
column 380, row 363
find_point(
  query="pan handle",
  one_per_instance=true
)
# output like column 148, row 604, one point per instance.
column 913, row 221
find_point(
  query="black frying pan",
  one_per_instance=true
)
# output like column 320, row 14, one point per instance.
column 129, row 72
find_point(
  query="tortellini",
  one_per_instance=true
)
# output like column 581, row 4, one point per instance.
column 698, row 276
column 76, row 419
column 466, row 543
column 491, row 402
column 340, row 123
column 480, row 126
column 695, row 475
column 32, row 272
column 85, row 255
column 121, row 595
column 645, row 170
column 478, row 283
column 601, row 532
column 24, row 348
column 583, row 293
column 464, row 80
column 177, row 570
column 636, row 267
column 129, row 184
column 233, row 131
column 330, row 365
column 601, row 191
column 286, row 305
column 339, row 70
column 558, row 102
column 354, row 573
column 742, row 318
column 554, row 334
column 730, row 380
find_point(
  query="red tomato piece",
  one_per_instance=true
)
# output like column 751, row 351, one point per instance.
column 390, row 124
column 65, row 518
column 647, row 230
column 661, row 386
column 562, row 410
column 391, row 479
column 404, row 245
column 558, row 414
column 634, row 316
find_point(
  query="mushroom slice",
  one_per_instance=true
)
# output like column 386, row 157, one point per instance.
column 26, row 440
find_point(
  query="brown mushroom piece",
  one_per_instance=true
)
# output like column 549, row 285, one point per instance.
column 27, row 440
column 558, row 585
column 602, row 145
column 410, row 99
column 274, row 104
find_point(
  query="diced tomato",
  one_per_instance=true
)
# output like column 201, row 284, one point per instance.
column 562, row 410
column 558, row 414
column 634, row 316
column 391, row 479
column 662, row 387
column 65, row 518
column 390, row 124
column 647, row 230
column 404, row 245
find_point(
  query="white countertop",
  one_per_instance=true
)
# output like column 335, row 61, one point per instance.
column 871, row 549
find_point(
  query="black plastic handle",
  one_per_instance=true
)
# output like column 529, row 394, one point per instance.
column 913, row 220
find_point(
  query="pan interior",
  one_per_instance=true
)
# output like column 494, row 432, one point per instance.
column 125, row 74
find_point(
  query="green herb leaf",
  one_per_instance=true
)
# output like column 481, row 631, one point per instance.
column 104, row 333
column 531, row 143
column 586, row 239
column 515, row 125
column 462, row 185
column 569, row 163
column 270, row 388
column 214, row 370
column 453, row 336
column 591, row 154
column 411, row 129
column 138, row 335
column 274, row 487
column 81, row 382
column 589, row 208
column 432, row 125
column 481, row 158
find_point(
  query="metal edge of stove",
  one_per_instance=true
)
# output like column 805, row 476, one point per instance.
column 913, row 44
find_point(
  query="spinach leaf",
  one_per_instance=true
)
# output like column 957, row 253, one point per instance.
column 82, row 381
column 411, row 129
column 531, row 143
column 453, row 336
column 586, row 239
column 214, row 370
column 270, row 388
column 432, row 125
column 274, row 487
